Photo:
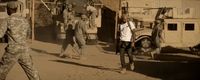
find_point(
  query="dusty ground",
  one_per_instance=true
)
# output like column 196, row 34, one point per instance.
column 102, row 64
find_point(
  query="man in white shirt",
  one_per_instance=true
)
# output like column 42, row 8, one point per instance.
column 126, row 42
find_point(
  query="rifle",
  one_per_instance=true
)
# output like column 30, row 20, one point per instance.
column 133, row 34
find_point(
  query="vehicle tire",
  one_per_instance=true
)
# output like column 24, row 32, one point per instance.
column 145, row 43
column 145, row 46
column 195, row 50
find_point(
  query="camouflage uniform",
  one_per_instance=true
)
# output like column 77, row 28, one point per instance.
column 17, row 28
column 156, row 36
column 80, row 34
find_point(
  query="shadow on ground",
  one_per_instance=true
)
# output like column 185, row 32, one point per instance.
column 168, row 66
column 86, row 65
column 169, row 49
column 108, row 48
column 177, row 57
column 169, row 70
column 45, row 52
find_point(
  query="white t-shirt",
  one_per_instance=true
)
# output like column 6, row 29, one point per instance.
column 126, row 32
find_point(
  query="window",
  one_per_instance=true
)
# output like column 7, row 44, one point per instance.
column 172, row 27
column 189, row 27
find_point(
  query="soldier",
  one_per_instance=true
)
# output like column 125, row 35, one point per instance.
column 68, row 16
column 126, row 42
column 80, row 34
column 17, row 29
column 92, row 11
column 157, row 37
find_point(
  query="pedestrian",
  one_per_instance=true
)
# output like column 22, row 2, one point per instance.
column 57, row 11
column 69, row 24
column 92, row 11
column 80, row 34
column 69, row 15
column 17, row 29
column 127, row 38
column 156, row 37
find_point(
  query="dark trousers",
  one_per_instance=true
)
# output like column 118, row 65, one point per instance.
column 125, row 47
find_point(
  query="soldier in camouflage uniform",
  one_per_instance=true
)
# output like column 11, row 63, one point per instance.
column 156, row 37
column 80, row 34
column 17, row 29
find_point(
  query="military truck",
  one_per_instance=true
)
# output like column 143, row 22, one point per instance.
column 177, row 32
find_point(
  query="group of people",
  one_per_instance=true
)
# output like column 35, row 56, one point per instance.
column 18, row 29
column 76, row 30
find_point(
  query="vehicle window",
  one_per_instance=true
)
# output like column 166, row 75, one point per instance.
column 172, row 27
column 189, row 27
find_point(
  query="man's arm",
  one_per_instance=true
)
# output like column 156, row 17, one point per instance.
column 29, row 30
column 132, row 26
column 3, row 28
column 160, row 33
column 84, row 29
column 65, row 15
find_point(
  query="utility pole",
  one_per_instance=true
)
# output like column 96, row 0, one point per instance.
column 33, row 19
column 118, row 14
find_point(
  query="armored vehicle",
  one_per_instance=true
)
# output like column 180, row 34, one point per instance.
column 177, row 30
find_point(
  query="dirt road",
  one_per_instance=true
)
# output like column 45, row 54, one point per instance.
column 101, row 64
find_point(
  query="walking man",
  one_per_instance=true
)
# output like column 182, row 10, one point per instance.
column 17, row 29
column 69, row 24
column 126, row 42
column 80, row 34
column 157, row 37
